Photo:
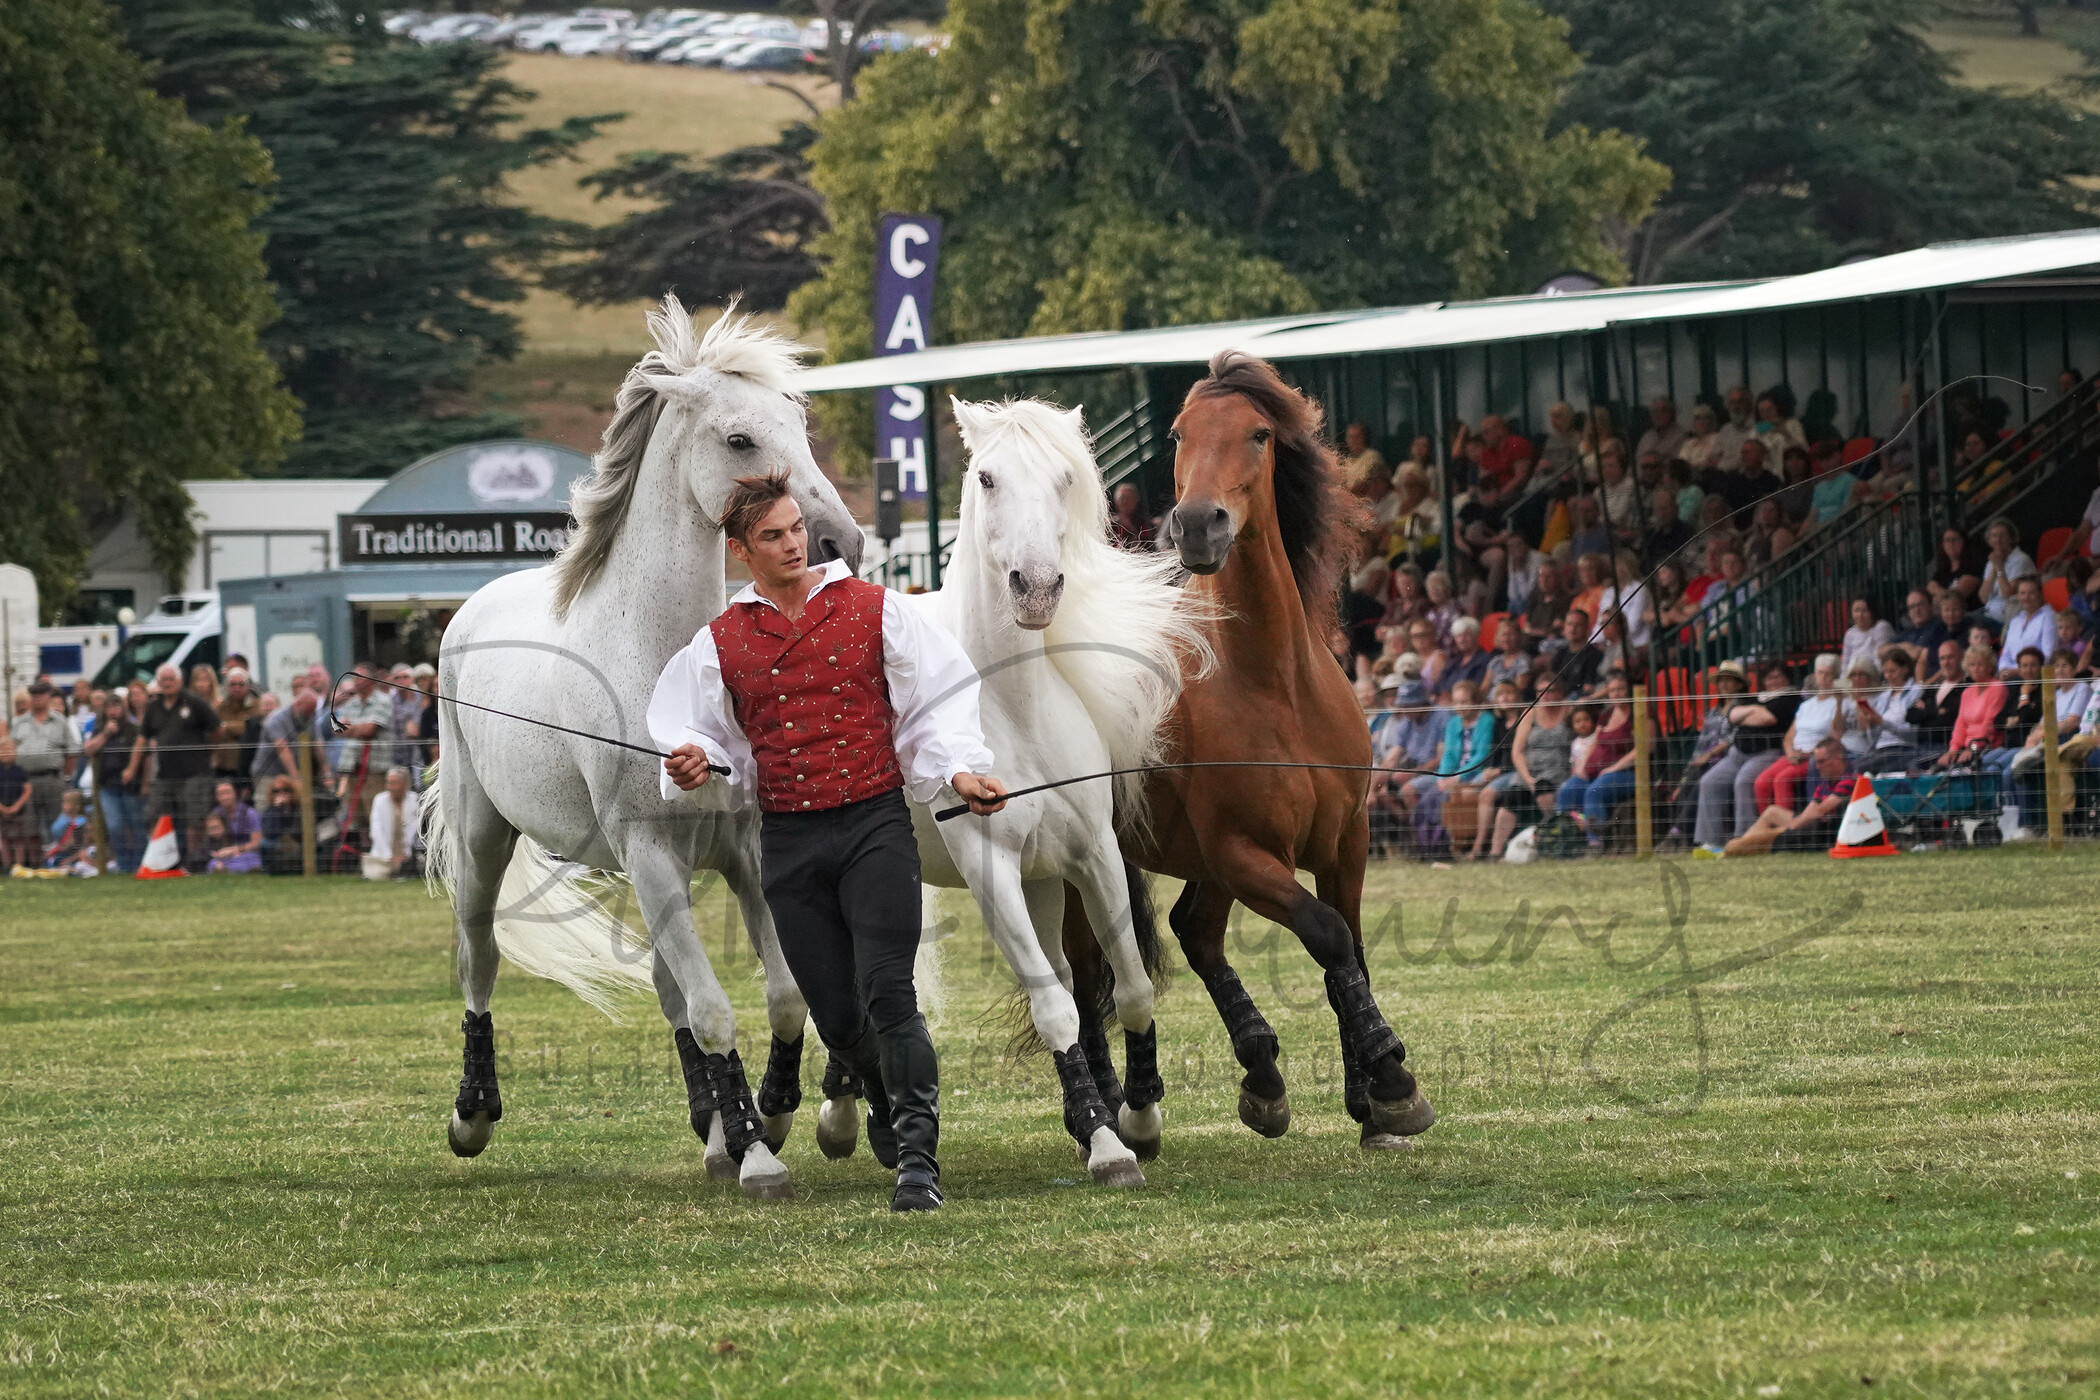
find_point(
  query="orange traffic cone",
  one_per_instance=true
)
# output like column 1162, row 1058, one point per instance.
column 1862, row 832
column 163, row 858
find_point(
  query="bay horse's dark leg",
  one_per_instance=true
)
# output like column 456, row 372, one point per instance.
column 1394, row 1102
column 1343, row 889
column 1198, row 920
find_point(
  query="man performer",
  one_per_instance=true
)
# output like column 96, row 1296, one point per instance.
column 825, row 698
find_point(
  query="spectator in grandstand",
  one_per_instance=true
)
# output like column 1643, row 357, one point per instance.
column 1539, row 758
column 1561, row 450
column 2032, row 623
column 2003, row 568
column 1547, row 603
column 2020, row 718
column 1766, row 522
column 1939, row 699
column 1501, row 450
column 1363, row 612
column 2082, row 532
column 178, row 729
column 1983, row 700
column 1700, row 444
column 1916, row 632
column 1592, row 574
column 1796, row 499
column 1865, row 638
column 1681, row 478
column 1728, row 787
column 1665, row 437
column 1777, row 426
column 1618, row 497
column 1957, row 568
column 1472, row 804
column 1628, row 618
column 1714, row 739
column 1881, row 736
column 1580, row 660
column 1666, row 532
column 1359, row 458
column 1520, row 572
column 1444, row 607
column 1587, row 532
column 1469, row 739
column 1750, row 483
column 1671, row 607
column 1128, row 525
column 1815, row 826
column 1511, row 661
column 1468, row 662
column 2073, row 697
column 2071, row 637
column 283, row 730
column 1820, row 715
column 1605, row 777
column 408, row 709
column 240, row 722
column 1597, row 430
column 365, row 716
column 1950, row 624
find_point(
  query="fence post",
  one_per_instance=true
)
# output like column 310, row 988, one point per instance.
column 310, row 863
column 2052, row 766
column 1643, row 796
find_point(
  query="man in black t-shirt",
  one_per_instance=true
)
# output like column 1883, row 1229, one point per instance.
column 178, row 728
column 1579, row 662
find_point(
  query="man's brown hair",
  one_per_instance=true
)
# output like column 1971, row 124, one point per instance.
column 749, row 500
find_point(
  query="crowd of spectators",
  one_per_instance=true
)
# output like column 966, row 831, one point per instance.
column 1570, row 556
column 228, row 764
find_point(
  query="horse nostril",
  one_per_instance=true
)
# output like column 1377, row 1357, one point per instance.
column 1220, row 515
column 1059, row 586
column 1014, row 581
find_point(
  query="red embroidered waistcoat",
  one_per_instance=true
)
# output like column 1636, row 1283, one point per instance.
column 812, row 697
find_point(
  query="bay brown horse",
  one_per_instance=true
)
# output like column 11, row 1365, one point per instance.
column 1261, row 520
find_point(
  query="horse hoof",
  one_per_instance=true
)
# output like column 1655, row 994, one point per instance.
column 720, row 1166
column 468, row 1137
column 1123, row 1171
column 1269, row 1117
column 777, row 1129
column 838, row 1128
column 1403, row 1119
column 764, row 1178
column 1140, row 1130
column 1375, row 1141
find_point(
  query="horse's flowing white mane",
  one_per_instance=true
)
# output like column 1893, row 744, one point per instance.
column 735, row 345
column 1125, row 637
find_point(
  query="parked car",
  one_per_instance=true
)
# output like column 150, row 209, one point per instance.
column 770, row 57
column 508, row 31
column 448, row 29
column 401, row 22
column 543, row 37
column 645, row 47
column 764, row 27
column 583, row 36
column 709, row 52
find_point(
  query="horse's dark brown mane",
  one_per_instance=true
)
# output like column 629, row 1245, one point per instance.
column 1315, row 515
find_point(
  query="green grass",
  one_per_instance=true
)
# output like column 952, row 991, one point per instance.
column 222, row 1125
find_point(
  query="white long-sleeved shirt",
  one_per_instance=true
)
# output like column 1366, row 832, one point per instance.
column 2022, row 630
column 933, row 693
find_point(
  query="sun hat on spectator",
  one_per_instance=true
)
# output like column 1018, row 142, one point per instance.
column 423, row 670
column 1732, row 668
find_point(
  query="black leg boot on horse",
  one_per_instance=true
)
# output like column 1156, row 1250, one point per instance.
column 700, row 1104
column 780, row 1090
column 742, row 1129
column 479, row 1106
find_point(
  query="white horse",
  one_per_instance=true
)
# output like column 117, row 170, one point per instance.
column 580, row 644
column 1079, row 648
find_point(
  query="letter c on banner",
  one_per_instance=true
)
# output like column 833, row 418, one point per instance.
column 901, row 260
column 910, row 405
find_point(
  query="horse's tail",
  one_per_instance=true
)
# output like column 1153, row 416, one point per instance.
column 554, row 918
column 567, row 922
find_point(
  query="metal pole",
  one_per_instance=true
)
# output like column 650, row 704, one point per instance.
column 307, row 854
column 2052, row 766
column 933, row 494
column 1643, row 797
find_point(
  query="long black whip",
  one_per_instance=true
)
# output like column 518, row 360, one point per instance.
column 342, row 728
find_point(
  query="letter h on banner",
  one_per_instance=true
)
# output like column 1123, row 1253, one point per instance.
column 907, row 249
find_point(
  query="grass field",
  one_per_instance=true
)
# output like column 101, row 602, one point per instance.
column 223, row 1109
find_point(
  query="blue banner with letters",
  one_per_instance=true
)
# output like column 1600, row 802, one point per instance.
column 907, row 249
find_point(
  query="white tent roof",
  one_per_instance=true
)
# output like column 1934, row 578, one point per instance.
column 1439, row 324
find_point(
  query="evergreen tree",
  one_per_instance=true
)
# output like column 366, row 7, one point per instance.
column 738, row 225
column 390, row 242
column 131, row 294
column 1107, row 165
column 1805, row 133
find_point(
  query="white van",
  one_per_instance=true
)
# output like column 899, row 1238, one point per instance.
column 184, row 631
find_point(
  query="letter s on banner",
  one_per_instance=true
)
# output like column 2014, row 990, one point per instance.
column 907, row 256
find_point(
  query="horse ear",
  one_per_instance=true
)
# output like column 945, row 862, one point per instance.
column 969, row 418
column 1076, row 416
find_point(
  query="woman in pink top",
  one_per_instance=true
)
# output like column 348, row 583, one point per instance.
column 1976, row 727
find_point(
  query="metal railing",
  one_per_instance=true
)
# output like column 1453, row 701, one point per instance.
column 1125, row 444
column 2059, row 437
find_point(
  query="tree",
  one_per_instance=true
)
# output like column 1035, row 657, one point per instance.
column 131, row 295
column 736, row 226
column 390, row 242
column 1103, row 165
column 847, row 22
column 1803, row 134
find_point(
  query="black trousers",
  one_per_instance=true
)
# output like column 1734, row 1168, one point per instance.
column 843, row 885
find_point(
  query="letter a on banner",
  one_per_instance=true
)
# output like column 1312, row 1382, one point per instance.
column 907, row 251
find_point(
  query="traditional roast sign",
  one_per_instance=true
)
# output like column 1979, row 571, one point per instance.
column 434, row 539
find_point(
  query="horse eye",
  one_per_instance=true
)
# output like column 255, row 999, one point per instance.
column 984, row 479
column 741, row 442
column 1261, row 435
